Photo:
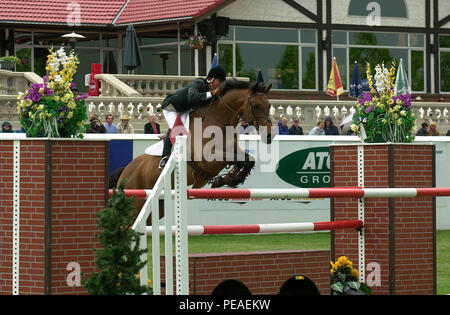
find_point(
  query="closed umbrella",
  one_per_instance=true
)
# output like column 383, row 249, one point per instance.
column 356, row 88
column 133, row 58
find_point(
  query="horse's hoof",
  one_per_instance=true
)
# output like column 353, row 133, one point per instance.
column 217, row 182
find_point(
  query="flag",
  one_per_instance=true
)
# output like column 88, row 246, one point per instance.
column 215, row 62
column 356, row 88
column 178, row 129
column 335, row 84
column 260, row 77
column 401, row 82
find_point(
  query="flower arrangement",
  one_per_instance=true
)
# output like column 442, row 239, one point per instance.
column 54, row 108
column 380, row 115
column 196, row 41
column 344, row 279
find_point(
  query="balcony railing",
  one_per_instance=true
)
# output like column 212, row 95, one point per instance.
column 139, row 95
column 11, row 83
column 308, row 112
column 143, row 85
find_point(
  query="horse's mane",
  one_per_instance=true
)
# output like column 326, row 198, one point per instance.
column 234, row 84
column 240, row 85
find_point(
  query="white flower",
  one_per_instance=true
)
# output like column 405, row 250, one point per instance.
column 58, row 78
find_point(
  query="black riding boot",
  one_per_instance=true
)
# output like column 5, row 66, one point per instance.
column 167, row 149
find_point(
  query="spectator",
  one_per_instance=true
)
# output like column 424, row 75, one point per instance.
column 109, row 126
column 152, row 127
column 424, row 130
column 7, row 127
column 433, row 130
column 246, row 129
column 318, row 130
column 448, row 133
column 330, row 128
column 283, row 129
column 295, row 129
column 125, row 127
column 95, row 125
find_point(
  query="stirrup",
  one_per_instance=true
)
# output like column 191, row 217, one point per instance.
column 163, row 162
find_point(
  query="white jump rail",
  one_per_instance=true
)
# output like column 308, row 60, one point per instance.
column 174, row 204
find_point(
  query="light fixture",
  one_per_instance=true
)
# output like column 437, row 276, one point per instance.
column 72, row 38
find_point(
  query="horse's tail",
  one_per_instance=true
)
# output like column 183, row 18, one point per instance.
column 114, row 177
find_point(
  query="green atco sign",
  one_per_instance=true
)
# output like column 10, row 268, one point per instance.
column 309, row 168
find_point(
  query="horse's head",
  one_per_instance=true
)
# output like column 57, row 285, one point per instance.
column 257, row 110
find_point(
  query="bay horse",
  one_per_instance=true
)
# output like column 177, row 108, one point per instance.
column 236, row 100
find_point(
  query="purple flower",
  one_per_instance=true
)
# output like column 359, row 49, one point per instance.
column 368, row 110
column 405, row 98
column 81, row 97
column 365, row 98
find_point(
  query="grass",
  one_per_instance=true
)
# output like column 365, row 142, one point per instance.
column 306, row 241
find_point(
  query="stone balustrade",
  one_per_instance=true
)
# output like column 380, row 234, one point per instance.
column 11, row 83
column 143, row 85
column 308, row 111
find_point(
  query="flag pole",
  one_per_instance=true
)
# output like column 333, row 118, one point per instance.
column 337, row 94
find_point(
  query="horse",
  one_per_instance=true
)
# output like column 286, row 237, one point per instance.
column 236, row 100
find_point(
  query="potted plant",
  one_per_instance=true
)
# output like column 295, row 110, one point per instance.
column 54, row 108
column 196, row 41
column 381, row 116
column 9, row 62
column 344, row 279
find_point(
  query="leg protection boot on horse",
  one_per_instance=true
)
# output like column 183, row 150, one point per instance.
column 236, row 176
column 245, row 171
column 167, row 149
column 228, row 179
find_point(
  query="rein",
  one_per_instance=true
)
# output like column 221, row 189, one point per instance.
column 252, row 106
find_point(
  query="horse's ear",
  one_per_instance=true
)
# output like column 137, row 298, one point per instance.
column 255, row 88
column 267, row 88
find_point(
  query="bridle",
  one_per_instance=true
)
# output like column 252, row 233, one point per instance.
column 252, row 107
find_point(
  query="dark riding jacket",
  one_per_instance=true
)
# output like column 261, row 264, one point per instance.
column 196, row 94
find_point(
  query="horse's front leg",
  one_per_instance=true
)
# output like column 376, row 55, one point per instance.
column 243, row 164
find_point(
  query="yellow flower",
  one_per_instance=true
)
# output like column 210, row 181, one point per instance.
column 384, row 121
column 40, row 107
column 299, row 278
column 403, row 113
column 355, row 273
column 399, row 121
column 331, row 271
column 333, row 266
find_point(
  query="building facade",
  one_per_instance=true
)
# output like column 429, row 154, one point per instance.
column 292, row 42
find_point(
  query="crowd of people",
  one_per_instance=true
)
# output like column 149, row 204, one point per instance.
column 322, row 128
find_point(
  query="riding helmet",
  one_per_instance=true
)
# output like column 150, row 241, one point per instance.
column 217, row 73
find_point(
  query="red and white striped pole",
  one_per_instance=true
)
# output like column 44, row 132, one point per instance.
column 266, row 228
column 259, row 193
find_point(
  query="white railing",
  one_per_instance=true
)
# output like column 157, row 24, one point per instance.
column 145, row 85
column 308, row 111
column 11, row 83
column 174, row 210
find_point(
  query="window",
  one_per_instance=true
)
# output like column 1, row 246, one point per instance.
column 389, row 8
column 444, row 61
column 286, row 57
column 376, row 48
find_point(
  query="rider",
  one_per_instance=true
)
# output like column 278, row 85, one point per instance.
column 194, row 95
